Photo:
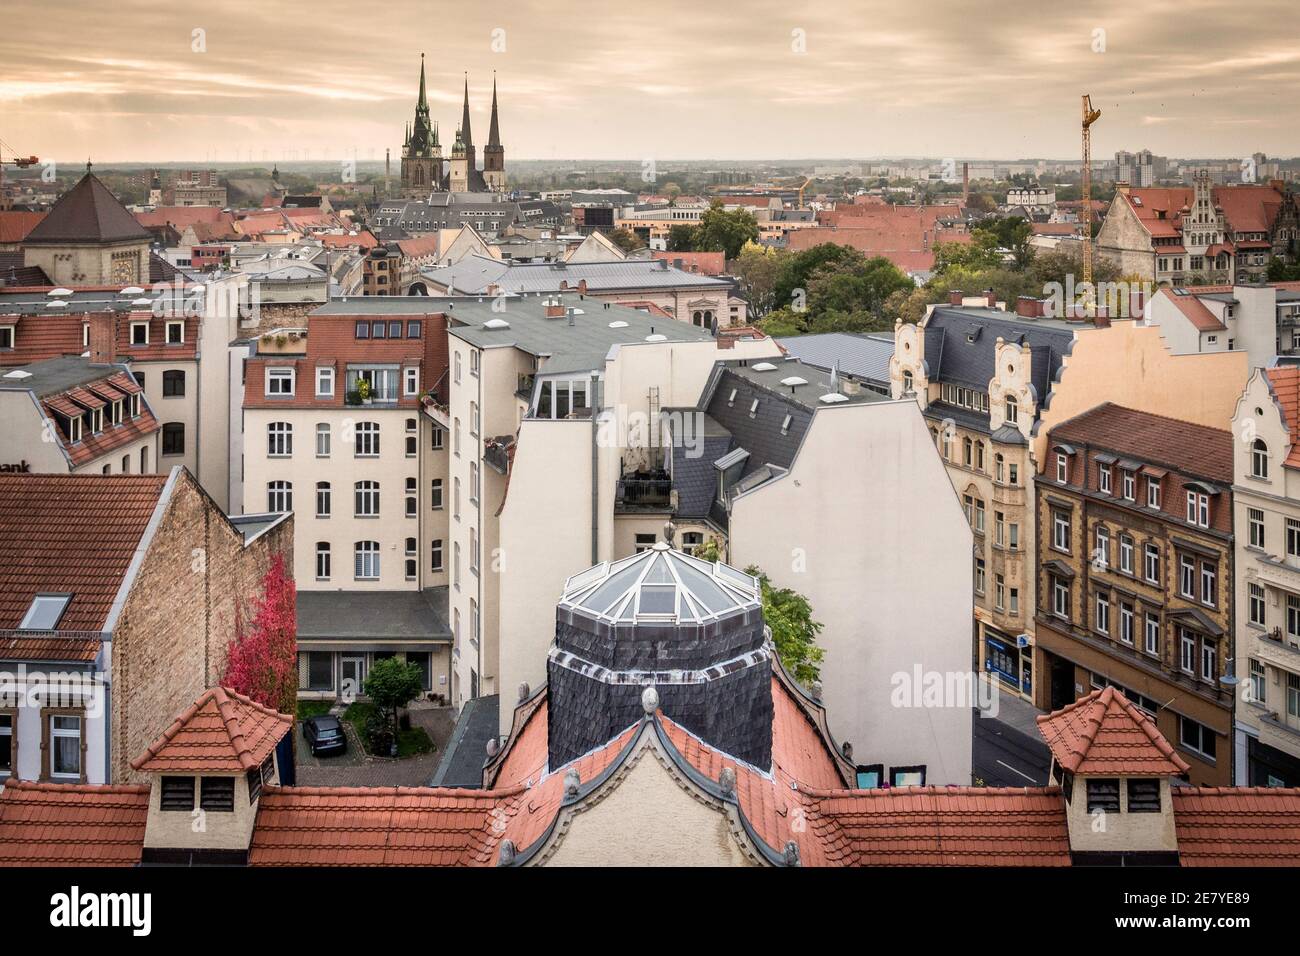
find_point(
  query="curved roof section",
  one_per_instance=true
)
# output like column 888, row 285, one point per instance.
column 660, row 585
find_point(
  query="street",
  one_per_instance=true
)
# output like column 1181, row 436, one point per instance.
column 1004, row 757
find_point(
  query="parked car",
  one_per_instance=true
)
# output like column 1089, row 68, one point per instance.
column 324, row 735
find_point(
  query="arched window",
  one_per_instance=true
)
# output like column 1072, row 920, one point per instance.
column 999, row 467
column 1259, row 459
column 279, row 439
column 279, row 496
column 411, row 499
column 907, row 382
column 322, row 499
column 366, row 555
column 367, row 499
column 366, row 440
column 1013, row 411
column 322, row 560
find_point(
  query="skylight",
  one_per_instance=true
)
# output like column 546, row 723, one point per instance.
column 59, row 291
column 657, row 337
column 620, row 324
column 44, row 612
column 833, row 398
column 496, row 324
column 764, row 367
column 793, row 381
column 18, row 373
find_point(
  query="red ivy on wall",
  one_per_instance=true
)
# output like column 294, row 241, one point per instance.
column 262, row 660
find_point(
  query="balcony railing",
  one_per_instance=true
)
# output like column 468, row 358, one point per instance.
column 650, row 490
column 496, row 453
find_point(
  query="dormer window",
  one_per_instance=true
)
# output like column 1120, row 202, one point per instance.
column 412, row 379
column 217, row 794
column 44, row 612
column 1103, row 479
column 785, row 425
column 135, row 405
column 731, row 399
column 1062, row 469
column 73, row 430
column 1013, row 411
column 139, row 333
column 279, row 382
column 6, row 337
column 753, row 409
column 175, row 333
column 177, row 794
column 1103, row 795
column 324, row 383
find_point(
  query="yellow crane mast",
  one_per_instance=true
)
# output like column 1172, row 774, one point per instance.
column 1090, row 116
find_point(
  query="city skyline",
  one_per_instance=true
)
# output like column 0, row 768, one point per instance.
column 679, row 83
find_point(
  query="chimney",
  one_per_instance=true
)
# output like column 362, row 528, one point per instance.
column 965, row 184
column 103, row 336
column 1122, row 186
column 582, row 287
column 570, row 313
column 1101, row 320
column 554, row 308
column 991, row 298
column 1027, row 307
column 955, row 297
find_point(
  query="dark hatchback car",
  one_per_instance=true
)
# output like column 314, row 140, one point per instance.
column 324, row 735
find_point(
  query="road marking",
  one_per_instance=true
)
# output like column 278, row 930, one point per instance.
column 1014, row 770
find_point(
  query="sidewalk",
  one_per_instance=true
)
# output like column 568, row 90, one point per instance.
column 1016, row 712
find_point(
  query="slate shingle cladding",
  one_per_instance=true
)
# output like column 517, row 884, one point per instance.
column 761, row 434
column 961, row 345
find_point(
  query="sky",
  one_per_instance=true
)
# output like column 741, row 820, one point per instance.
column 239, row 81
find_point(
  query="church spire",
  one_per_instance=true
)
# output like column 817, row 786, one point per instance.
column 422, row 103
column 494, row 136
column 464, row 122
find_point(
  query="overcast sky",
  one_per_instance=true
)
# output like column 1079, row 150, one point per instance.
column 118, row 80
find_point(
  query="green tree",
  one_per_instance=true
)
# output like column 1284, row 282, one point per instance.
column 726, row 231
column 683, row 238
column 794, row 632
column 980, row 253
column 625, row 239
column 757, row 268
column 1280, row 271
column 798, row 267
column 1013, row 234
column 391, row 684
column 855, row 285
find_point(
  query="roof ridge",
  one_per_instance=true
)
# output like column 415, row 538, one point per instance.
column 46, row 786
column 933, row 789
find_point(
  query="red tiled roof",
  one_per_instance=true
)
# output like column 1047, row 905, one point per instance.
column 907, row 242
column 70, row 534
column 112, row 437
column 221, row 732
column 181, row 217
column 1104, row 734
column 1247, row 208
column 1196, row 450
column 1195, row 310
column 363, row 240
column 1284, row 381
column 16, row 224
column 44, row 824
column 703, row 263
column 419, row 246
column 1237, row 826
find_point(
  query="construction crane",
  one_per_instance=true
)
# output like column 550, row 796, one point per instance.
column 22, row 162
column 806, row 182
column 1090, row 116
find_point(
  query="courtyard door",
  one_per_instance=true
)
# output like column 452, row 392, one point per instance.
column 353, row 677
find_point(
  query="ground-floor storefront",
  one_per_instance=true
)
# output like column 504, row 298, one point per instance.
column 1007, row 659
column 1200, row 728
column 1262, row 765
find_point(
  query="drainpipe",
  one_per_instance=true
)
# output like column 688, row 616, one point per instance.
column 595, row 469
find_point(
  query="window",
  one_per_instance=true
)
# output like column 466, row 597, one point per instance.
column 1062, row 469
column 1060, row 598
column 279, row 496
column 644, row 542
column 1125, row 554
column 413, row 329
column 1143, row 795
column 456, row 364
column 411, row 381
column 1061, row 531
column 366, row 562
column 455, row 498
column 322, row 560
column 363, row 330
column 1151, row 642
column 999, row 591
column 1186, row 651
column 435, row 494
column 1258, row 686
column 437, row 438
column 1151, row 563
column 412, row 503
column 1013, row 411
column 44, row 612
column 1256, row 594
column 324, row 383
column 177, row 794
column 1292, row 615
column 366, row 499
column 279, row 382
column 1209, row 584
column 1014, row 606
column 999, row 467
column 366, row 440
column 1293, row 695
column 979, row 575
column 1013, row 473
column 315, row 670
column 1126, row 623
column 1209, row 662
column 322, row 440
column 217, row 793
column 473, row 361
column 1103, row 795
column 967, row 452
column 7, row 336
column 455, row 436
column 279, row 439
column 1101, row 552
column 435, row 555
column 322, row 499
column 999, row 529
column 1103, row 479
column 1255, row 521
column 1259, row 459
column 173, row 383
column 473, row 550
column 1292, row 538
column 139, row 333
column 473, row 419
column 7, row 751
column 907, row 776
column 412, row 435
column 455, row 563
column 1187, row 577
column 65, row 746
column 473, row 482
column 173, row 438
column 175, row 333
column 1102, row 623
column 411, row 549
column 1130, row 486
column 1198, row 509
column 1153, row 493
column 1196, row 737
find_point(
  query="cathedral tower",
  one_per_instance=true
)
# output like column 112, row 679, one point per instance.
column 421, row 170
column 494, row 154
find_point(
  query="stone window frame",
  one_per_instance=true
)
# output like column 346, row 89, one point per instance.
column 47, row 714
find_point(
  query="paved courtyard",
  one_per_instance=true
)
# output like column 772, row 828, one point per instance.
column 355, row 769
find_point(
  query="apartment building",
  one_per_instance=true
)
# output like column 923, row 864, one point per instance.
column 1260, row 319
column 702, row 300
column 1266, row 499
column 334, row 430
column 1135, row 562
column 118, row 598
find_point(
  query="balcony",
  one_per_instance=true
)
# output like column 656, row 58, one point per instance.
column 1279, row 649
column 434, row 409
column 497, row 453
column 644, row 491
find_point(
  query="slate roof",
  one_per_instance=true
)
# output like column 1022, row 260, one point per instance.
column 863, row 356
column 961, row 344
column 73, row 534
column 1105, row 735
column 1178, row 445
column 475, row 275
column 88, row 212
column 221, row 732
column 44, row 824
column 373, row 616
column 462, row 762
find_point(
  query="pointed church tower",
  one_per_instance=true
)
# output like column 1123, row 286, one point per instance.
column 458, row 177
column 420, row 173
column 494, row 154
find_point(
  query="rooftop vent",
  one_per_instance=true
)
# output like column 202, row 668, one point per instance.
column 496, row 324
column 18, row 373
column 56, row 305
column 833, row 398
column 620, row 324
column 764, row 367
column 59, row 291
column 793, row 381
column 132, row 290
column 657, row 337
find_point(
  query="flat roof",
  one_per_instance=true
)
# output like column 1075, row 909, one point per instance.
column 373, row 616
column 816, row 383
column 478, row 273
column 52, row 376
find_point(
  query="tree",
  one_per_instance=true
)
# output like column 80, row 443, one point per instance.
column 757, row 268
column 980, row 253
column 794, row 632
column 391, row 684
column 1280, row 271
column 625, row 239
column 683, row 238
column 1013, row 234
column 855, row 285
column 262, row 660
column 720, row 230
column 797, row 268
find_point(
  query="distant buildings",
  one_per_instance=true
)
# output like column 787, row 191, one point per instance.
column 423, row 170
